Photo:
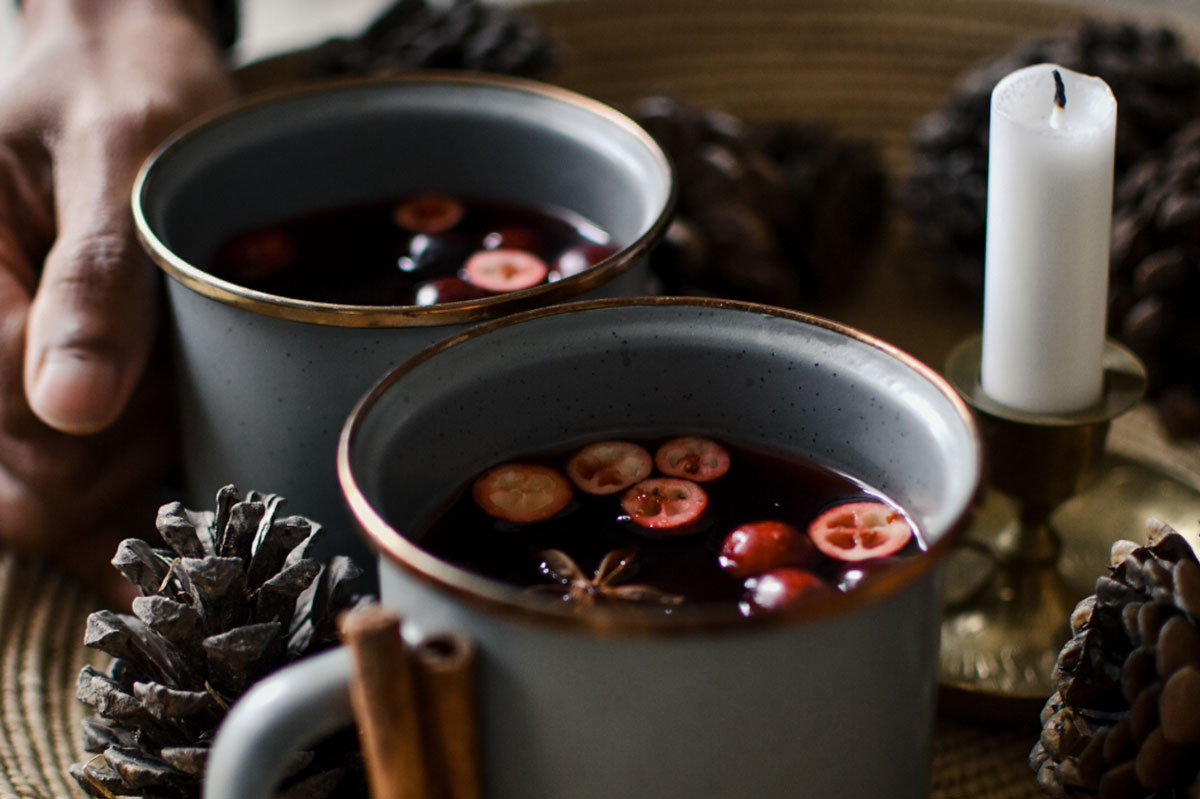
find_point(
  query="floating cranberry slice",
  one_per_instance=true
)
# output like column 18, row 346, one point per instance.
column 759, row 547
column 256, row 255
column 521, row 492
column 499, row 271
column 608, row 467
column 582, row 258
column 860, row 530
column 665, row 504
column 692, row 458
column 779, row 588
column 447, row 289
column 428, row 213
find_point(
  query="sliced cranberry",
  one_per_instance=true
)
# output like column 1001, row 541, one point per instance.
column 256, row 255
column 581, row 258
column 762, row 546
column 698, row 459
column 521, row 492
column 608, row 467
column 665, row 504
column 514, row 238
column 860, row 530
column 428, row 213
column 447, row 289
column 499, row 271
column 779, row 588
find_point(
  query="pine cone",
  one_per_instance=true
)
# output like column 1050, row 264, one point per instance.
column 1124, row 720
column 234, row 597
column 1157, row 86
column 775, row 212
column 1155, row 282
column 413, row 34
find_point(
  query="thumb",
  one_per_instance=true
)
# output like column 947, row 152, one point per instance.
column 94, row 315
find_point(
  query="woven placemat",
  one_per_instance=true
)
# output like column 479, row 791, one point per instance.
column 42, row 619
column 981, row 761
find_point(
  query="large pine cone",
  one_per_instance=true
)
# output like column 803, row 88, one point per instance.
column 1155, row 281
column 780, row 212
column 1157, row 86
column 1124, row 720
column 234, row 597
column 413, row 34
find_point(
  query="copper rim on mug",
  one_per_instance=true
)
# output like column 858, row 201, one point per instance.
column 508, row 600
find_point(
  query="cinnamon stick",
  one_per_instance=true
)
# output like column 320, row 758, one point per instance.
column 447, row 681
column 383, row 693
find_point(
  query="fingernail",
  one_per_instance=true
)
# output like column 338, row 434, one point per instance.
column 75, row 392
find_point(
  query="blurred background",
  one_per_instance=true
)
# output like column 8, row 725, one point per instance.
column 273, row 26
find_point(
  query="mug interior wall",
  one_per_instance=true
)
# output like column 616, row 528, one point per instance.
column 373, row 141
column 756, row 378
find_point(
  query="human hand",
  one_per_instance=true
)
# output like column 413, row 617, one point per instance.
column 84, row 425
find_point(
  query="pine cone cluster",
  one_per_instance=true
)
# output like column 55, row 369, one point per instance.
column 1155, row 81
column 234, row 596
column 413, row 34
column 1154, row 287
column 780, row 212
column 1124, row 720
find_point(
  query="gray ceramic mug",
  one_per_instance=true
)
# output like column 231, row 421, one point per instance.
column 265, row 381
column 830, row 699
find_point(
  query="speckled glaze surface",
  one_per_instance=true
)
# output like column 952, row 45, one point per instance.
column 830, row 699
column 265, row 381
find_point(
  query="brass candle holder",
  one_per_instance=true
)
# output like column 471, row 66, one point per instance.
column 1056, row 501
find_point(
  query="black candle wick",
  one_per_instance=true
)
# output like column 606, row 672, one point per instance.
column 1060, row 90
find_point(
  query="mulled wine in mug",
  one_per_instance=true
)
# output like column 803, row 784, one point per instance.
column 634, row 682
column 315, row 238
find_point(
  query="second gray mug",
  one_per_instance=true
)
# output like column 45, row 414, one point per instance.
column 266, row 381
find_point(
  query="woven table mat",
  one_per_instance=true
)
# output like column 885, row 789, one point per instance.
column 980, row 761
column 42, row 619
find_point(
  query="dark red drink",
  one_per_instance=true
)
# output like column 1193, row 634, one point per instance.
column 721, row 531
column 422, row 249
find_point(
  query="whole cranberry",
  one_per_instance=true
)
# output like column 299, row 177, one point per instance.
column 515, row 238
column 581, row 258
column 427, row 254
column 762, row 546
column 778, row 589
column 852, row 575
column 447, row 289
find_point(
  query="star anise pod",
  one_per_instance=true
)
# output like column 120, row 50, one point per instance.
column 574, row 585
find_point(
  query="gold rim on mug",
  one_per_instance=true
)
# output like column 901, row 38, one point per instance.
column 510, row 601
column 391, row 316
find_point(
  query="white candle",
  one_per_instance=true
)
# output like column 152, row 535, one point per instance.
column 1050, row 187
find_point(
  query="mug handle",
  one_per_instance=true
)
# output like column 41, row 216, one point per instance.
column 285, row 711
